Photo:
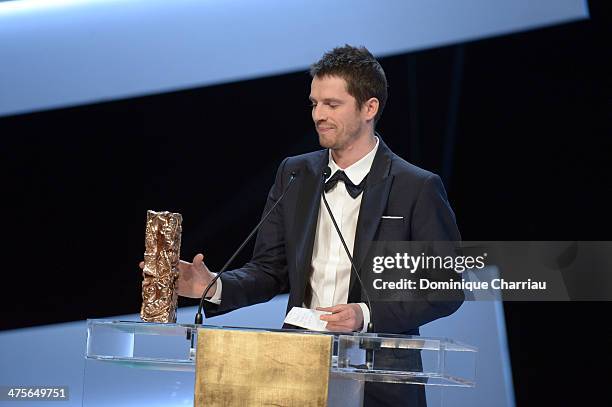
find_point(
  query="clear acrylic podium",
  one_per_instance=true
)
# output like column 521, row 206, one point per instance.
column 137, row 363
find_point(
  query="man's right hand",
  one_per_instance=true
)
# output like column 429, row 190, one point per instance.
column 193, row 278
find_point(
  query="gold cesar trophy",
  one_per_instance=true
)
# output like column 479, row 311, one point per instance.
column 160, row 273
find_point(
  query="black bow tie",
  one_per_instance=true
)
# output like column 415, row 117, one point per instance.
column 352, row 189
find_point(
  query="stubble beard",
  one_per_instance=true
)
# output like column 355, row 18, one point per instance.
column 339, row 144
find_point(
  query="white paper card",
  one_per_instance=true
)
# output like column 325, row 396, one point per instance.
column 306, row 318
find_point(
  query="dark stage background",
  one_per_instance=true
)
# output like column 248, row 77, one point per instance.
column 517, row 126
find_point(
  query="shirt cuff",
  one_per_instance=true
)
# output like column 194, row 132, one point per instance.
column 216, row 299
column 366, row 316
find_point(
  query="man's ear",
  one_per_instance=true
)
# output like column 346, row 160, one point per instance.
column 370, row 107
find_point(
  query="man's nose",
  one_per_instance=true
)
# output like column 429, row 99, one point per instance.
column 318, row 113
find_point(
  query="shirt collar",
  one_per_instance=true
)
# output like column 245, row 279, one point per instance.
column 356, row 172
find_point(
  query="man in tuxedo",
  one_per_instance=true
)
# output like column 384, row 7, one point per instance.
column 374, row 196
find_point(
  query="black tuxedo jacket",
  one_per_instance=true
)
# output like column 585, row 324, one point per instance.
column 281, row 259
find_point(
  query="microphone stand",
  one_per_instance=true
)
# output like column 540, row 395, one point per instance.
column 365, row 343
column 199, row 318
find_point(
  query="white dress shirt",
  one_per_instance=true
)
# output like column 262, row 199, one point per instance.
column 331, row 267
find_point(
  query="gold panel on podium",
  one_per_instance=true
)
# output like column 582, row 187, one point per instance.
column 254, row 368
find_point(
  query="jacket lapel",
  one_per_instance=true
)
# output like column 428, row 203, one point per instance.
column 373, row 204
column 306, row 213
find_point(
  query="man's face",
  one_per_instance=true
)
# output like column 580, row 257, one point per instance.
column 337, row 118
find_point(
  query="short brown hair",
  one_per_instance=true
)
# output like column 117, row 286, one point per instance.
column 364, row 76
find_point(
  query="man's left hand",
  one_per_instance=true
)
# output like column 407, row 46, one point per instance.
column 343, row 317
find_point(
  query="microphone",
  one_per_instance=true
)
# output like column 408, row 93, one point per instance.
column 199, row 317
column 326, row 173
column 368, row 345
